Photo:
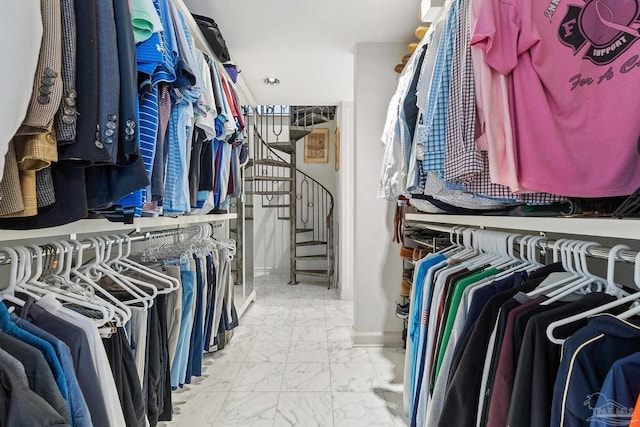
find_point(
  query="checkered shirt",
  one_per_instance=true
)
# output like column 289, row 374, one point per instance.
column 435, row 117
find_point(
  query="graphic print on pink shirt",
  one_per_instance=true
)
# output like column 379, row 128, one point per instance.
column 574, row 69
column 602, row 27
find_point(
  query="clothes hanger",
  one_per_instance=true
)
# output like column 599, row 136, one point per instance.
column 454, row 246
column 635, row 309
column 33, row 284
column 584, row 283
column 131, row 281
column 24, row 272
column 122, row 310
column 123, row 263
column 613, row 254
column 8, row 293
column 99, row 268
column 561, row 248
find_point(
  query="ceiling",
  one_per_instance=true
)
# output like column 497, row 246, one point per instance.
column 308, row 45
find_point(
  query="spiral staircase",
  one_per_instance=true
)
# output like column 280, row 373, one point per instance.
column 273, row 181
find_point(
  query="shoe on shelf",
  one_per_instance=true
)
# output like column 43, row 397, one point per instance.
column 419, row 253
column 405, row 288
column 406, row 253
column 407, row 273
column 402, row 311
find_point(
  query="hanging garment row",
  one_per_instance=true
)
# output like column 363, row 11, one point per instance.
column 495, row 108
column 499, row 339
column 113, row 110
column 104, row 341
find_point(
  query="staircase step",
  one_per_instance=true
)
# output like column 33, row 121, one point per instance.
column 268, row 193
column 303, row 230
column 311, row 243
column 271, row 162
column 312, row 257
column 284, row 147
column 269, row 178
column 276, row 206
column 311, row 119
column 297, row 133
column 314, row 273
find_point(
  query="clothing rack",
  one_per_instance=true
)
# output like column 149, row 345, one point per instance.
column 600, row 252
column 142, row 237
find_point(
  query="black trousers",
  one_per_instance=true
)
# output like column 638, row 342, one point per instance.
column 126, row 378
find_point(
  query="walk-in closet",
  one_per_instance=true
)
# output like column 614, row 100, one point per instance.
column 395, row 213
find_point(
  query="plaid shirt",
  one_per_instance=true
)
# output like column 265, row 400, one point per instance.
column 435, row 115
column 462, row 158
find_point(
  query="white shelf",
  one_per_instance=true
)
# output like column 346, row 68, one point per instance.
column 602, row 227
column 92, row 226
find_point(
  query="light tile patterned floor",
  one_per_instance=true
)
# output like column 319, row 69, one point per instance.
column 291, row 363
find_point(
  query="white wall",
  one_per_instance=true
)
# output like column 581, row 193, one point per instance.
column 345, row 187
column 377, row 266
column 324, row 173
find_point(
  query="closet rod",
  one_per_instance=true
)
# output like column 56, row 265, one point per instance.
column 600, row 252
column 142, row 237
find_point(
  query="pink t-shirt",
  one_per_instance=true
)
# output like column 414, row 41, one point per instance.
column 575, row 74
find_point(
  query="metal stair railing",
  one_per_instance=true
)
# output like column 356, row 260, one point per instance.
column 311, row 205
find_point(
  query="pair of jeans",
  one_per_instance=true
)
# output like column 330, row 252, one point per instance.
column 179, row 366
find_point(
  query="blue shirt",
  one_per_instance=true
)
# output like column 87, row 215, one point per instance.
column 620, row 389
column 8, row 327
column 414, row 322
column 587, row 357
column 418, row 374
column 80, row 416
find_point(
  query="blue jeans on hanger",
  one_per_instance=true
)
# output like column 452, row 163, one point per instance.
column 179, row 366
column 194, row 364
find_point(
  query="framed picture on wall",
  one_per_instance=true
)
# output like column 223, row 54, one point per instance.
column 336, row 147
column 316, row 146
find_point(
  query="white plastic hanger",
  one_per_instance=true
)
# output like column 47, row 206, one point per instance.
column 582, row 283
column 636, row 279
column 123, row 261
column 123, row 312
column 562, row 250
column 613, row 254
column 100, row 268
column 33, row 284
column 8, row 293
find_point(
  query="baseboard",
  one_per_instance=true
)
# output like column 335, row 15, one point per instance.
column 378, row 339
column 263, row 271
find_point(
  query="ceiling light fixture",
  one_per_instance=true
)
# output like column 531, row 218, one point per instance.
column 272, row 81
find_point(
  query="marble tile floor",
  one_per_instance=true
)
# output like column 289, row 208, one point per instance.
column 291, row 363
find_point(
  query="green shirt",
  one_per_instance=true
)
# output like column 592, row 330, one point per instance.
column 145, row 19
column 456, row 297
